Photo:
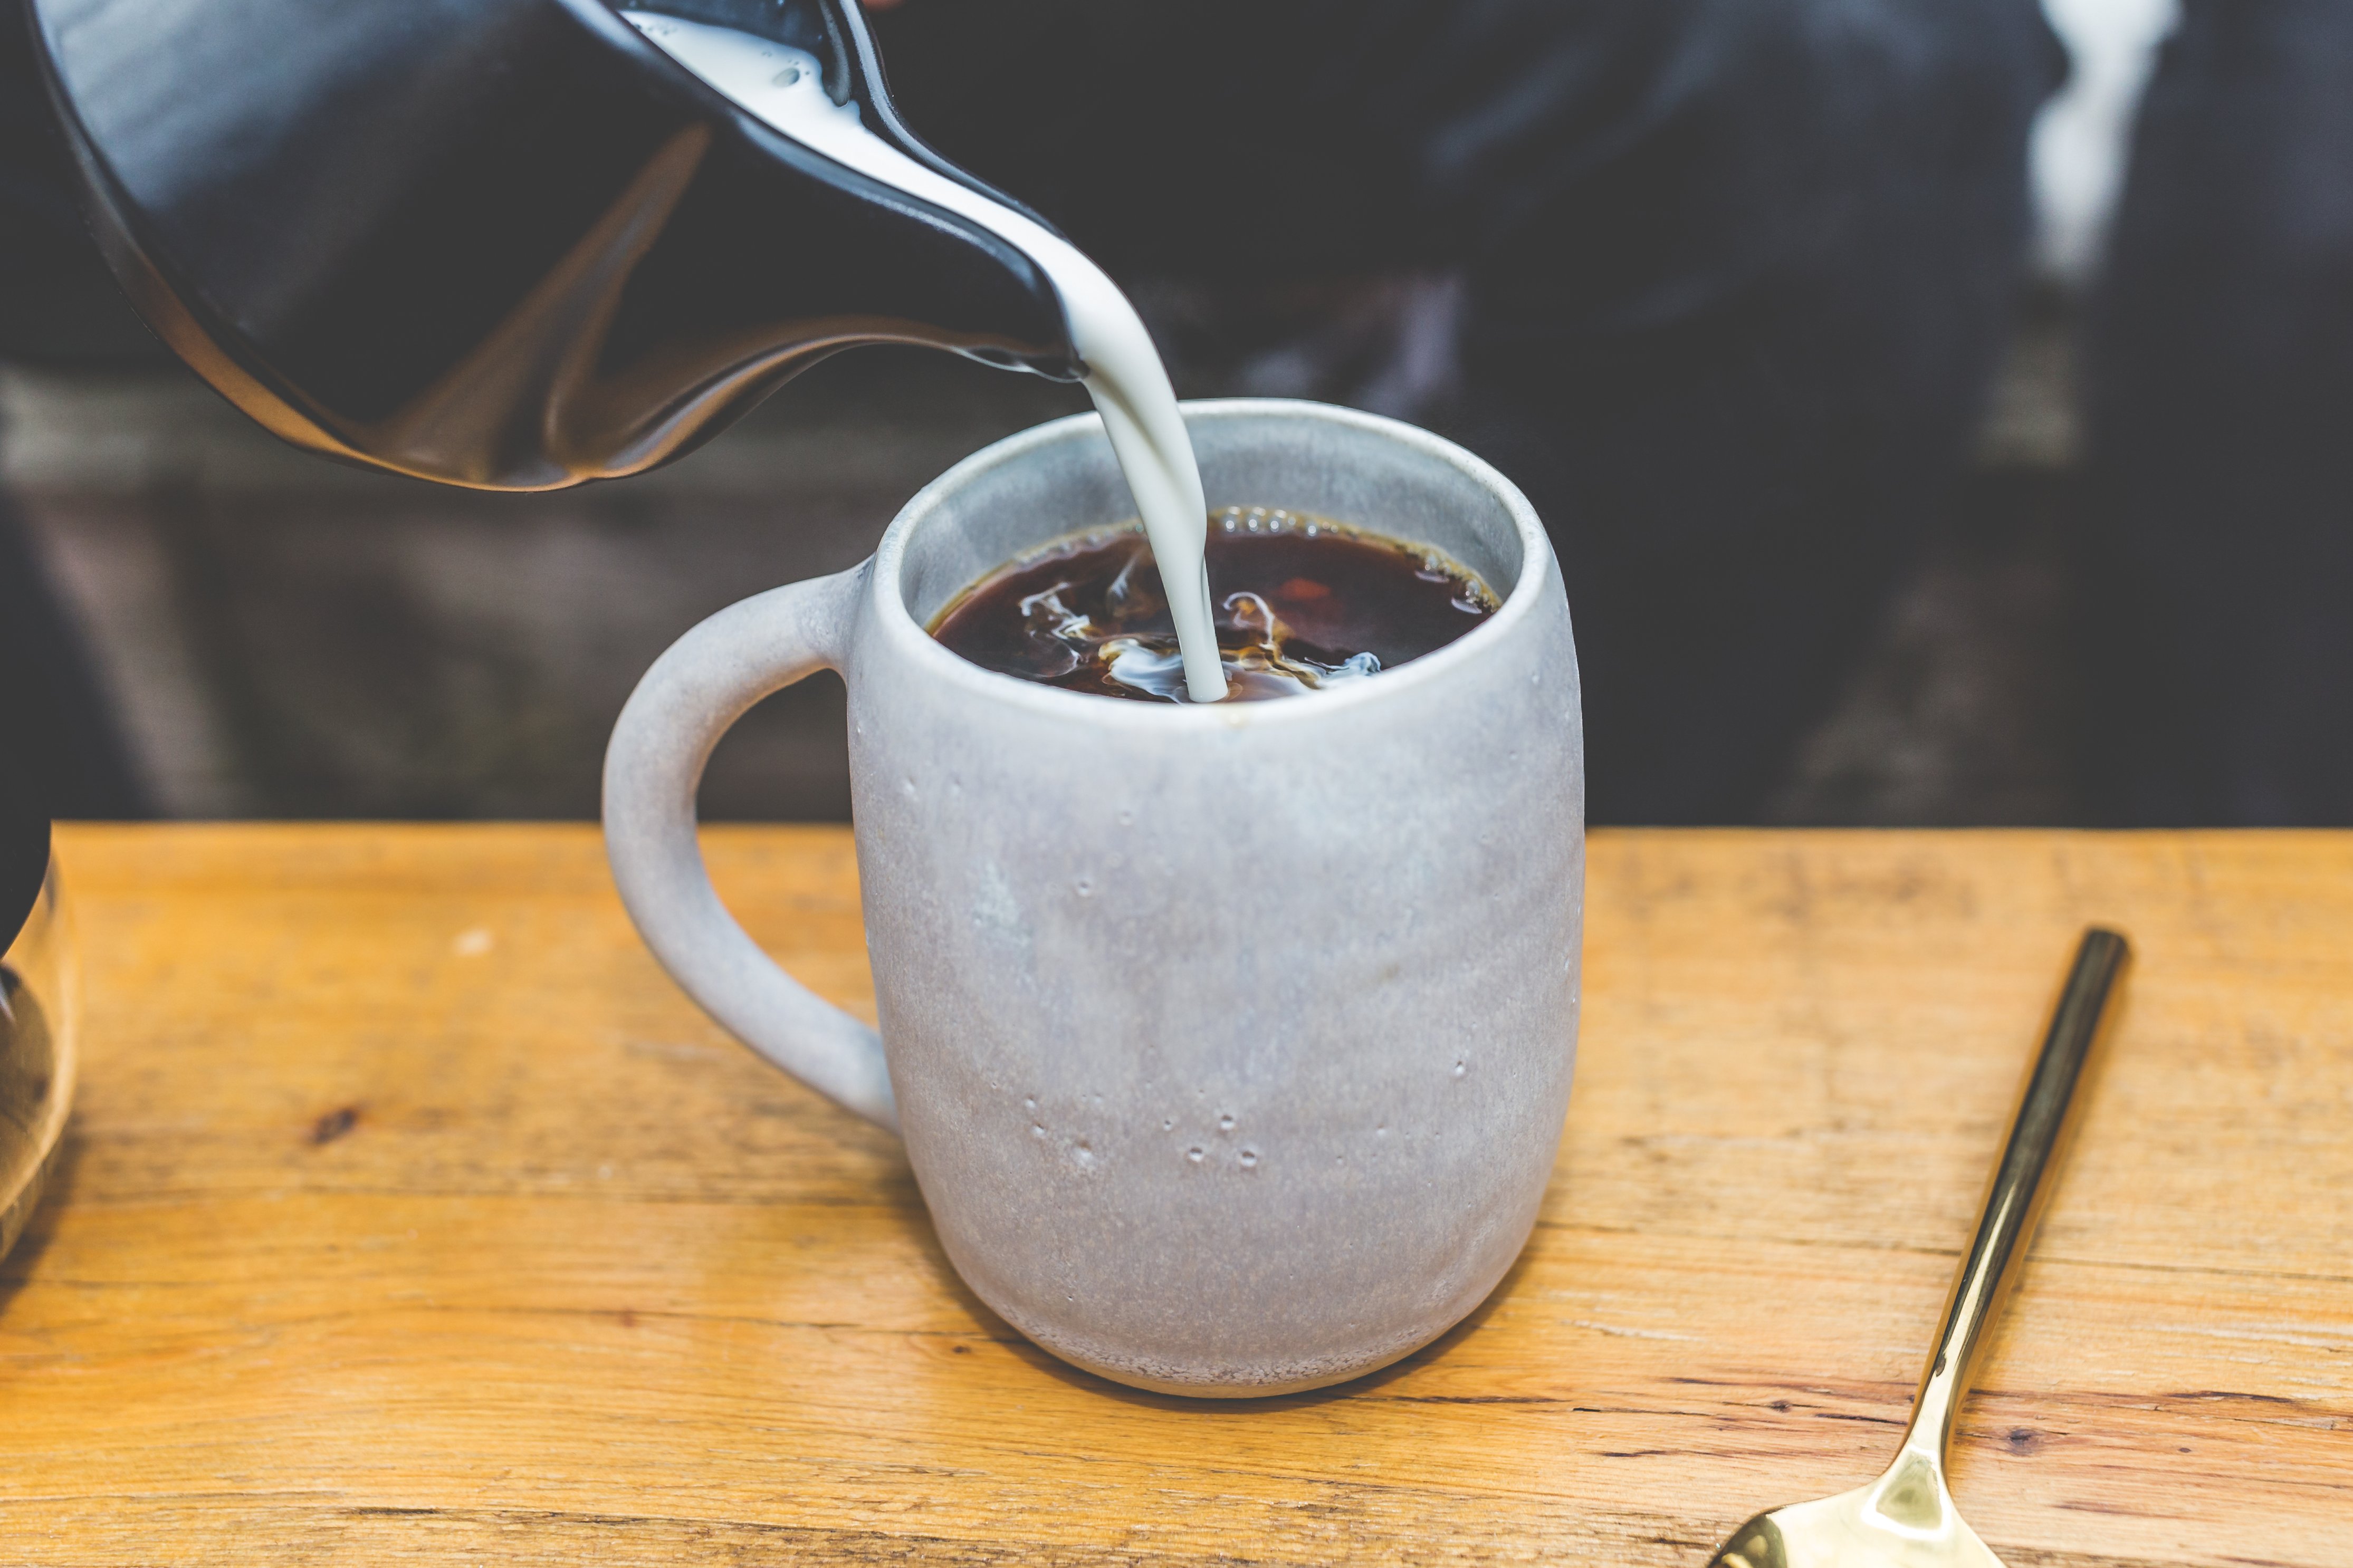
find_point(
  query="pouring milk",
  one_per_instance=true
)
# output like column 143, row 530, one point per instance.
column 785, row 87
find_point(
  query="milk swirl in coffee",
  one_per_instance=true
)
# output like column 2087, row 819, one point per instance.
column 783, row 87
column 1304, row 605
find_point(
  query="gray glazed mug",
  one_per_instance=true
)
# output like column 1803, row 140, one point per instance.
column 1230, row 1045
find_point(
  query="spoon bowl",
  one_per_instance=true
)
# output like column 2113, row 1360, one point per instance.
column 1906, row 1518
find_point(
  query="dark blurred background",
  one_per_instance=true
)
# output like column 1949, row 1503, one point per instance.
column 281, row 637
column 287, row 637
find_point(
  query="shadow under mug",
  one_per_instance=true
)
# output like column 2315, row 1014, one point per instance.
column 1230, row 1045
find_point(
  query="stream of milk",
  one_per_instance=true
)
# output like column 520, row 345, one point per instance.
column 785, row 87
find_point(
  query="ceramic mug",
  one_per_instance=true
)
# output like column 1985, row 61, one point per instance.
column 1230, row 1045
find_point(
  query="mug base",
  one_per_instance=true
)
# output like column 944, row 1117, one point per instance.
column 1256, row 1380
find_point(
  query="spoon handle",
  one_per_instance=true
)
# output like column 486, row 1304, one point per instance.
column 2014, row 1199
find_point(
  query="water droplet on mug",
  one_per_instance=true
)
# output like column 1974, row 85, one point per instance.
column 1085, row 1154
column 1249, row 1159
column 1194, row 1153
column 1037, row 1131
column 1461, row 1067
column 1168, row 1124
column 1225, row 1124
column 789, row 76
column 1086, row 890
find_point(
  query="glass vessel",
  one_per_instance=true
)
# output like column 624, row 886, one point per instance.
column 40, row 1015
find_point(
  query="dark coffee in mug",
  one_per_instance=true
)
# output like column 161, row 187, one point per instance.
column 1302, row 604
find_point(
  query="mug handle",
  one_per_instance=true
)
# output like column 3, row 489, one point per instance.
column 706, row 681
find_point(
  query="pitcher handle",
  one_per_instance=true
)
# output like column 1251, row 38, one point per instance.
column 706, row 681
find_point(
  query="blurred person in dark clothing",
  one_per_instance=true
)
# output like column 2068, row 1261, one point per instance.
column 2220, row 566
column 1734, row 276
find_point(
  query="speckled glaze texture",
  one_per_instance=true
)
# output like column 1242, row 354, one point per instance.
column 1230, row 1045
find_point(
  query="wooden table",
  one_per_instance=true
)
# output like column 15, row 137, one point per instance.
column 411, row 1214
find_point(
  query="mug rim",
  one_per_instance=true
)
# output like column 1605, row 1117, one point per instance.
column 899, row 623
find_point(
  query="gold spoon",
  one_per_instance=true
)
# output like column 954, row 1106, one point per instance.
column 1906, row 1518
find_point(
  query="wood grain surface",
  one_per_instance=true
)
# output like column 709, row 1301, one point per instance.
column 410, row 1214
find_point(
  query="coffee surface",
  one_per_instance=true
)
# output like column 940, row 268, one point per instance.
column 1302, row 603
